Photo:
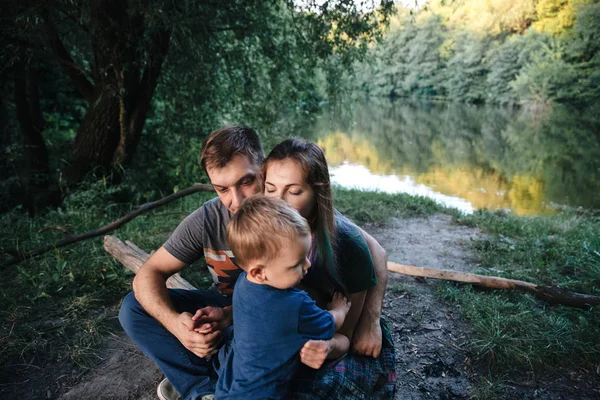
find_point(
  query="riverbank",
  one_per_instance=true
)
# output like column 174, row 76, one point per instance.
column 59, row 331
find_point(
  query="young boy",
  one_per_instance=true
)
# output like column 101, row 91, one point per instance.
column 272, row 320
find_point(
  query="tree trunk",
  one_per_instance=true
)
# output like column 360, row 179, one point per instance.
column 35, row 153
column 548, row 293
column 97, row 136
column 122, row 95
column 137, row 100
column 5, row 136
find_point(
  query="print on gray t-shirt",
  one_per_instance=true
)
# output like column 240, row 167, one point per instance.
column 204, row 233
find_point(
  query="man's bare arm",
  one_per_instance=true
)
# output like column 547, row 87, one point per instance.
column 150, row 288
column 367, row 335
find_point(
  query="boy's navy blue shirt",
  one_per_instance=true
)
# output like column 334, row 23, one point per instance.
column 270, row 327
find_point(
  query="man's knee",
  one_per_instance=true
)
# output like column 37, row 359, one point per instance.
column 129, row 308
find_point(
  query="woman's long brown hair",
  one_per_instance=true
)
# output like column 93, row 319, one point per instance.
column 311, row 160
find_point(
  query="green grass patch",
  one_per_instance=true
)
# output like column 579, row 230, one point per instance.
column 513, row 329
column 56, row 306
column 397, row 288
column 376, row 207
column 486, row 389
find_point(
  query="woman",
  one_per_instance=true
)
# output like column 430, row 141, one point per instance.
column 297, row 172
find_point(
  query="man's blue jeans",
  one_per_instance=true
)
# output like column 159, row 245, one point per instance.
column 189, row 374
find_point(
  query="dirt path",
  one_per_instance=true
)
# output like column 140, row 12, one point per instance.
column 430, row 337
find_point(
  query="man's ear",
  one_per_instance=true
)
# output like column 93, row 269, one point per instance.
column 257, row 272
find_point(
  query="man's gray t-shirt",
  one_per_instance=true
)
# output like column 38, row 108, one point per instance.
column 204, row 233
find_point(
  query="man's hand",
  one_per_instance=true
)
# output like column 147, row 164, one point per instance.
column 210, row 318
column 366, row 340
column 315, row 352
column 201, row 344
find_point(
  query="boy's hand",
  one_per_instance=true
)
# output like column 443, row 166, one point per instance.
column 315, row 352
column 201, row 344
column 210, row 318
column 339, row 303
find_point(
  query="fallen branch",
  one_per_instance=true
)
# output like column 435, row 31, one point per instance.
column 132, row 257
column 64, row 229
column 548, row 293
column 197, row 187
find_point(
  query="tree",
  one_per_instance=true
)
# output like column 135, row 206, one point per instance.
column 547, row 77
column 114, row 53
column 466, row 71
column 506, row 62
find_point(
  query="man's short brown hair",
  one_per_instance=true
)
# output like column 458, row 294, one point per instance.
column 256, row 230
column 225, row 143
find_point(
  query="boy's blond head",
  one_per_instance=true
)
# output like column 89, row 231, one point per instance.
column 256, row 230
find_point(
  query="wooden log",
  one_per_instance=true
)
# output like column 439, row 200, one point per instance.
column 548, row 293
column 132, row 257
column 458, row 276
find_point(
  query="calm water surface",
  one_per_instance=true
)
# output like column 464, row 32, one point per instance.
column 468, row 157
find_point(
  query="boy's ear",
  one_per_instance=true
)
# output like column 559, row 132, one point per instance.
column 257, row 272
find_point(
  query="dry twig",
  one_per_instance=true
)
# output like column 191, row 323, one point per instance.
column 197, row 187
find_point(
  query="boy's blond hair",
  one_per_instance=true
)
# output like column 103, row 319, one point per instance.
column 256, row 230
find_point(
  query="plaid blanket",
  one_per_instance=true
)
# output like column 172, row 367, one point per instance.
column 352, row 376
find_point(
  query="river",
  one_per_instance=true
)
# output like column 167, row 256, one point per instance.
column 529, row 161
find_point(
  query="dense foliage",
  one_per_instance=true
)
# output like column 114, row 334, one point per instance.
column 517, row 51
column 85, row 84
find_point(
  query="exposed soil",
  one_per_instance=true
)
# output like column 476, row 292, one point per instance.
column 431, row 338
column 429, row 335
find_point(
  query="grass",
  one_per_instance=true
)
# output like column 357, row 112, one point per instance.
column 513, row 329
column 487, row 390
column 377, row 208
column 399, row 289
column 60, row 305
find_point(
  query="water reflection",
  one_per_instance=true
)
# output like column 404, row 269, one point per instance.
column 359, row 177
column 490, row 157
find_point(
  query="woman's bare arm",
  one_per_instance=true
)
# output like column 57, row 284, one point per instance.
column 367, row 334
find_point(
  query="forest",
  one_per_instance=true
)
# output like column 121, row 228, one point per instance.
column 509, row 52
column 112, row 92
column 108, row 89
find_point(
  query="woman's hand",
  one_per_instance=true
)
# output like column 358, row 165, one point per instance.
column 339, row 307
column 366, row 340
column 315, row 352
column 339, row 302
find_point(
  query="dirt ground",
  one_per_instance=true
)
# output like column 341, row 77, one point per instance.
column 431, row 338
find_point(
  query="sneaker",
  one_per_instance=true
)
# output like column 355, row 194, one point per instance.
column 166, row 391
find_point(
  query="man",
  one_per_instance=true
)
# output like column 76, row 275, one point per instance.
column 165, row 323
